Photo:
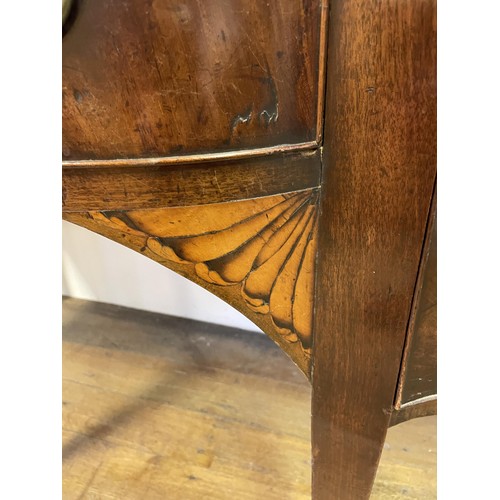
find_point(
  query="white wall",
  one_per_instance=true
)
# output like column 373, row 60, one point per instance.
column 96, row 268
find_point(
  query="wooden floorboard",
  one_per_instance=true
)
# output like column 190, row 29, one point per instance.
column 157, row 407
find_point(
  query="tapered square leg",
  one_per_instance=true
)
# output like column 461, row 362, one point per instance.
column 379, row 169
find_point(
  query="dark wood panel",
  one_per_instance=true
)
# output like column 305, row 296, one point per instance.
column 419, row 368
column 379, row 170
column 135, row 187
column 148, row 78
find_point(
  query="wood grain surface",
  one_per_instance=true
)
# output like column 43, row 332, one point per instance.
column 159, row 407
column 418, row 378
column 259, row 255
column 379, row 170
column 149, row 78
column 157, row 186
column 191, row 134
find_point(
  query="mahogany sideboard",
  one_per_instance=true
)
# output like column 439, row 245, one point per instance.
column 282, row 155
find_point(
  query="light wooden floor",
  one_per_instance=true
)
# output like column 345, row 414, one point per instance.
column 161, row 408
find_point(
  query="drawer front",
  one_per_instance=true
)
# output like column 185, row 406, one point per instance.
column 154, row 78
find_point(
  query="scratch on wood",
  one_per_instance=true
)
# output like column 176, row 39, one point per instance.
column 217, row 182
column 243, row 118
column 83, row 494
column 271, row 111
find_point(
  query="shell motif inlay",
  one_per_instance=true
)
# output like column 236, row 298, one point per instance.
column 266, row 246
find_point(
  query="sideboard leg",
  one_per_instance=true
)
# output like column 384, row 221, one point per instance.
column 379, row 168
column 347, row 440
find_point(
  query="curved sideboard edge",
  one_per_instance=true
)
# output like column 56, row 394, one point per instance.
column 423, row 407
column 238, row 154
column 185, row 184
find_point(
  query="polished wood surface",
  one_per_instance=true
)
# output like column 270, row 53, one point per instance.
column 379, row 166
column 185, row 134
column 259, row 255
column 152, row 78
column 418, row 377
column 159, row 407
column 157, row 186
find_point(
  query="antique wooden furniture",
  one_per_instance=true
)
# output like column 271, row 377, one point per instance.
column 283, row 156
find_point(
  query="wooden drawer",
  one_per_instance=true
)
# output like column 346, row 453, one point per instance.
column 160, row 77
column 192, row 133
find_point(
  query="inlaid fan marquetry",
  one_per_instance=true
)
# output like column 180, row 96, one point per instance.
column 265, row 248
